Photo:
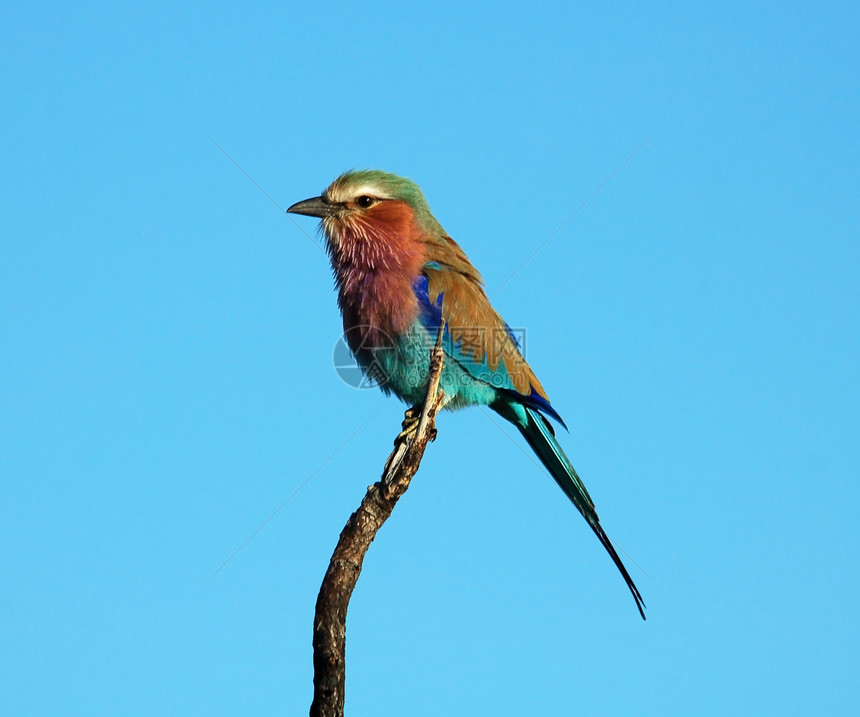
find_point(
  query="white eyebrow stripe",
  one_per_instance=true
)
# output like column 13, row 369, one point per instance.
column 339, row 195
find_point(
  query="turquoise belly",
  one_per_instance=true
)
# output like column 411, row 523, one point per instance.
column 404, row 370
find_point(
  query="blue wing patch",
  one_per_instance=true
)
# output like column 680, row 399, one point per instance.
column 431, row 312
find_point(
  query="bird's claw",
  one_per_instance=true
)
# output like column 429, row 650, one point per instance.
column 410, row 424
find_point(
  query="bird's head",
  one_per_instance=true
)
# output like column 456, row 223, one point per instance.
column 369, row 207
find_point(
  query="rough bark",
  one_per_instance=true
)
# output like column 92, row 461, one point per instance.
column 329, row 638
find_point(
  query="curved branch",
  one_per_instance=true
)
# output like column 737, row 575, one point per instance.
column 329, row 638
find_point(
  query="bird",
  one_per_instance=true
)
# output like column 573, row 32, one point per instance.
column 400, row 279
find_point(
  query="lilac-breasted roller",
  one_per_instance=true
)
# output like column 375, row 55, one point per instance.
column 399, row 276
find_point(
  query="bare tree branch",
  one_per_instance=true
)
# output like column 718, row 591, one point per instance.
column 333, row 600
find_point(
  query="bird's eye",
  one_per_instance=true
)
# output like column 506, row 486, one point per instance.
column 364, row 201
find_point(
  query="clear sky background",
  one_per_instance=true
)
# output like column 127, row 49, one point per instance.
column 166, row 339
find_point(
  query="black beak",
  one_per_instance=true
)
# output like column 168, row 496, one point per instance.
column 315, row 207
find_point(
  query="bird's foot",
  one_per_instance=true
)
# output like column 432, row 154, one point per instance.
column 410, row 424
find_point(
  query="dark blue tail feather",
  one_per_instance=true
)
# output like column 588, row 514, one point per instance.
column 539, row 435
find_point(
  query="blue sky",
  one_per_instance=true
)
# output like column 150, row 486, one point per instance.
column 166, row 339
